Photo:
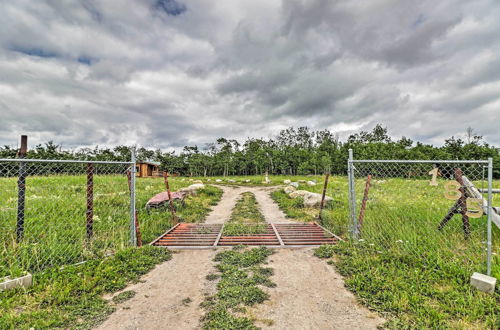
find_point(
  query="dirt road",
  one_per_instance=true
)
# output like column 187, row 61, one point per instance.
column 309, row 293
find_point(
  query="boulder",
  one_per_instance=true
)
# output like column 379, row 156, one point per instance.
column 289, row 189
column 191, row 190
column 302, row 181
column 247, row 180
column 311, row 183
column 314, row 200
column 287, row 181
column 218, row 180
column 231, row 181
column 198, row 181
column 299, row 193
column 294, row 184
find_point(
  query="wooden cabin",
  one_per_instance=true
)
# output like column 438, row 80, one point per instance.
column 148, row 169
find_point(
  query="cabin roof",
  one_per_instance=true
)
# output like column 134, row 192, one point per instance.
column 149, row 162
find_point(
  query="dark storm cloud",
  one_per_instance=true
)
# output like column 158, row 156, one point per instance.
column 166, row 73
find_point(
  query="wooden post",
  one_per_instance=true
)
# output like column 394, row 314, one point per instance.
column 363, row 203
column 460, row 206
column 21, row 189
column 323, row 197
column 138, row 234
column 463, row 203
column 90, row 200
column 170, row 201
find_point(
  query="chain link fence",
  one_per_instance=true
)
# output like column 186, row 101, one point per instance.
column 54, row 213
column 432, row 210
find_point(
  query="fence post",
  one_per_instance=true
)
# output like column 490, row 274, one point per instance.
column 352, row 195
column 490, row 209
column 90, row 200
column 323, row 197
column 21, row 189
column 170, row 201
column 133, row 236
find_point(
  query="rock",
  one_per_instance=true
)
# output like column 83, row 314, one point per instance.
column 218, row 180
column 310, row 199
column 191, row 190
column 198, row 181
column 311, row 183
column 287, row 181
column 294, row 184
column 231, row 181
column 299, row 193
column 289, row 189
column 302, row 181
column 247, row 180
column 314, row 200
column 483, row 282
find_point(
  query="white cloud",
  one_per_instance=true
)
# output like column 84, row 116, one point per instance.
column 110, row 72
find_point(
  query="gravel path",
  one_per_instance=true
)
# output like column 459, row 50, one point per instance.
column 309, row 295
column 222, row 211
column 160, row 300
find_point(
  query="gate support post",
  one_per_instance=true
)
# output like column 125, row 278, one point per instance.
column 21, row 189
column 352, row 196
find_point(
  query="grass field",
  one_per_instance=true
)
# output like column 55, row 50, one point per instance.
column 403, row 266
column 71, row 298
column 55, row 218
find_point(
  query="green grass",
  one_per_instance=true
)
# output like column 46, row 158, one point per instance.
column 123, row 296
column 246, row 217
column 72, row 297
column 241, row 276
column 55, row 218
column 403, row 266
column 414, row 291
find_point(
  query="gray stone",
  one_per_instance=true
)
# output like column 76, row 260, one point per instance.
column 289, row 189
column 314, row 199
column 483, row 282
column 24, row 281
column 294, row 184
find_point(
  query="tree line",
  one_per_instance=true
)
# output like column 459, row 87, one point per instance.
column 293, row 151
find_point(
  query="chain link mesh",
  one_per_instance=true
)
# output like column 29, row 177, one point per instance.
column 57, row 213
column 425, row 210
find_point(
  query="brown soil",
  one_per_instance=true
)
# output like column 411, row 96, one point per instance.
column 161, row 300
column 310, row 294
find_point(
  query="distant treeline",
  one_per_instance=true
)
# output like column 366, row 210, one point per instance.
column 292, row 151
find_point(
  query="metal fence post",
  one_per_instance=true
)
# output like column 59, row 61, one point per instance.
column 352, row 195
column 133, row 236
column 21, row 189
column 490, row 209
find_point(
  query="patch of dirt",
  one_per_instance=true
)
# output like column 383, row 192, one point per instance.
column 169, row 296
column 310, row 294
column 222, row 211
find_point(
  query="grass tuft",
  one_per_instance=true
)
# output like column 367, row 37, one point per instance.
column 241, row 275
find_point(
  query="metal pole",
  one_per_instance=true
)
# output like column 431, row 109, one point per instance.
column 490, row 200
column 133, row 236
column 90, row 200
column 21, row 189
column 352, row 195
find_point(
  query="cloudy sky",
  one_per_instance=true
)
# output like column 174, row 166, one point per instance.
column 166, row 73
